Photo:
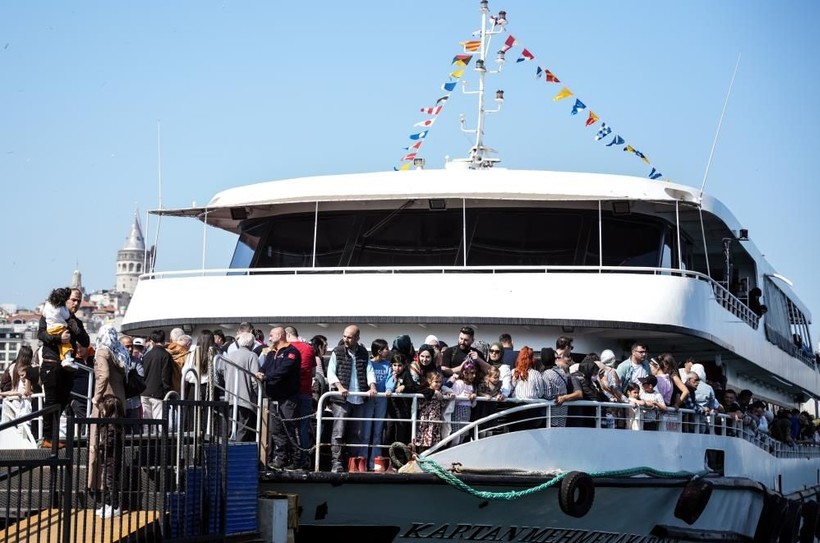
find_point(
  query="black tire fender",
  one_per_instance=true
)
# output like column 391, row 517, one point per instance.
column 693, row 500
column 770, row 523
column 577, row 493
column 809, row 529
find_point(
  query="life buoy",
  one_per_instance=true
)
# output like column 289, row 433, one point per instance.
column 693, row 500
column 576, row 494
column 771, row 518
column 809, row 529
column 791, row 522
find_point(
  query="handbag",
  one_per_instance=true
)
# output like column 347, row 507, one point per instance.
column 134, row 384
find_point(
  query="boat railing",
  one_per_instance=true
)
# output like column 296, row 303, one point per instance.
column 722, row 295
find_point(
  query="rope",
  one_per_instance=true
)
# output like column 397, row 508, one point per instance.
column 433, row 467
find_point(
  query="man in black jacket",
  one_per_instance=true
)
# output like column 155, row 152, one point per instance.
column 158, row 371
column 58, row 380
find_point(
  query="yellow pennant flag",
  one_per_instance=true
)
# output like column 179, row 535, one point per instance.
column 457, row 74
column 565, row 93
column 405, row 167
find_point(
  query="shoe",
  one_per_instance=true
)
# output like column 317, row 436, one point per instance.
column 337, row 468
column 69, row 364
column 353, row 464
column 46, row 444
column 107, row 511
column 277, row 464
column 361, row 463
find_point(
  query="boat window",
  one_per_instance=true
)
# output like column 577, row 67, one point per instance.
column 421, row 237
column 785, row 324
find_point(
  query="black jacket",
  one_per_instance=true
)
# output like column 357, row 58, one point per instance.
column 51, row 344
column 158, row 366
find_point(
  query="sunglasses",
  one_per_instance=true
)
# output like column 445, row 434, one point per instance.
column 494, row 351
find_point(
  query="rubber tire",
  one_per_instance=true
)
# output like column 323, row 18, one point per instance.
column 693, row 500
column 810, row 511
column 771, row 518
column 577, row 493
column 791, row 522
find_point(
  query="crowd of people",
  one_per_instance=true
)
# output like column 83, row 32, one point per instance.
column 373, row 408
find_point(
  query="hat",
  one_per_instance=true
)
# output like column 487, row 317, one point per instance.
column 608, row 358
column 700, row 370
column 431, row 340
column 403, row 345
column 139, row 342
column 651, row 379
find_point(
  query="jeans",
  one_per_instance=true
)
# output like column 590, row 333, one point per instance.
column 375, row 410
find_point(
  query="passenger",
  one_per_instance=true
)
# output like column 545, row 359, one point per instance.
column 546, row 360
column 133, row 405
column 754, row 302
column 705, row 397
column 734, row 426
column 200, row 359
column 400, row 381
column 633, row 368
column 652, row 403
column 431, row 410
column 107, row 467
column 319, row 344
column 729, row 398
column 664, row 385
column 158, row 370
column 745, row 399
column 219, row 341
column 404, row 345
column 685, row 368
column 564, row 348
column 585, row 416
column 464, row 390
column 374, row 409
column 781, row 428
column 695, row 423
column 178, row 349
column 453, row 357
column 17, row 399
column 527, row 384
column 56, row 316
column 347, row 372
column 492, row 388
column 307, row 371
column 510, row 354
column 280, row 375
column 632, row 397
column 610, row 386
column 679, row 391
column 505, row 371
column 426, row 361
column 241, row 380
column 561, row 388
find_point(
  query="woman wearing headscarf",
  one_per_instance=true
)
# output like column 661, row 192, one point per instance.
column 110, row 363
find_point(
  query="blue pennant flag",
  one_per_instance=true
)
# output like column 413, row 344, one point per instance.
column 603, row 132
column 579, row 105
column 420, row 136
column 655, row 174
column 449, row 86
column 617, row 140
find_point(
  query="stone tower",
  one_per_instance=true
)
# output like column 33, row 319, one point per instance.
column 131, row 259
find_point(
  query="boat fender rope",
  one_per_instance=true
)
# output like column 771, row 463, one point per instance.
column 406, row 452
column 431, row 466
column 693, row 500
column 577, row 493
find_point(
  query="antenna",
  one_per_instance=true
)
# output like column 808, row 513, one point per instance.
column 717, row 133
column 159, row 198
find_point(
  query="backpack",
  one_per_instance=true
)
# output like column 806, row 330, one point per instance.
column 5, row 381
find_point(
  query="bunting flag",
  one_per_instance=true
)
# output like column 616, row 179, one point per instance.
column 563, row 93
column 655, row 174
column 443, row 99
column 425, row 124
column 462, row 60
column 579, row 105
column 470, row 46
column 404, row 167
column 449, row 86
column 432, row 110
column 603, row 132
column 637, row 153
column 457, row 74
column 551, row 78
column 508, row 44
column 617, row 140
column 416, row 146
column 538, row 72
column 409, row 156
column 592, row 119
column 525, row 55
column 420, row 136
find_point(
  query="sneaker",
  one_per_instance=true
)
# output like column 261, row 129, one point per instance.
column 69, row 364
column 337, row 468
column 108, row 512
column 277, row 464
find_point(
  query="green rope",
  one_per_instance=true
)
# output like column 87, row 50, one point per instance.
column 431, row 466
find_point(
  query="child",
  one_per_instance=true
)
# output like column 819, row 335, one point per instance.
column 399, row 381
column 431, row 410
column 110, row 455
column 465, row 394
column 494, row 388
column 652, row 401
column 633, row 399
column 56, row 315
column 375, row 409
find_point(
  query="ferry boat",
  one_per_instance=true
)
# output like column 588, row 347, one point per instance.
column 607, row 259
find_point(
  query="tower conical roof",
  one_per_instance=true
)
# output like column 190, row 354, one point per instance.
column 135, row 241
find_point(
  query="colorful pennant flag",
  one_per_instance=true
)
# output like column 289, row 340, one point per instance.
column 426, row 123
column 471, row 46
column 449, row 86
column 579, row 105
column 457, row 74
column 409, row 156
column 655, row 174
column 551, row 78
column 416, row 146
column 637, row 153
column 462, row 60
column 525, row 55
column 603, row 132
column 508, row 44
column 432, row 110
column 420, row 136
column 617, row 140
column 538, row 72
column 563, row 93
column 592, row 119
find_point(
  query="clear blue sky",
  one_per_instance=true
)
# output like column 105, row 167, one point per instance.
column 254, row 91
